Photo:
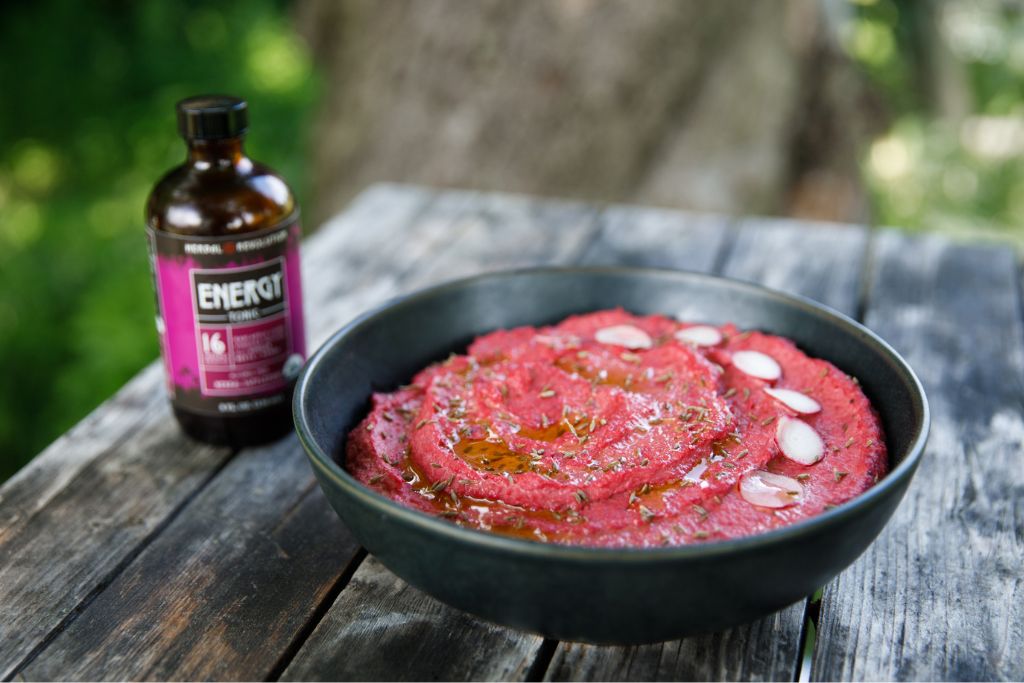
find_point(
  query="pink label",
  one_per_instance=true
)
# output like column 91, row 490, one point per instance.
column 229, row 314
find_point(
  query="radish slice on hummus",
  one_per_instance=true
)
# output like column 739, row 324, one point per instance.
column 801, row 403
column 757, row 364
column 798, row 441
column 770, row 490
column 624, row 335
column 700, row 335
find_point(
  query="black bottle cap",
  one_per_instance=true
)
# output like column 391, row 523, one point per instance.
column 212, row 117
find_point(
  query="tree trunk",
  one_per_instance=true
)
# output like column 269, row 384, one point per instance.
column 726, row 106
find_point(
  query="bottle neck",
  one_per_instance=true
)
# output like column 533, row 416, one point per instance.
column 206, row 155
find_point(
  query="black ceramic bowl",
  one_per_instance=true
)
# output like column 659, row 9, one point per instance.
column 591, row 594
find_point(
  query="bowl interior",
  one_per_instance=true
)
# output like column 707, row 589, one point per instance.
column 385, row 348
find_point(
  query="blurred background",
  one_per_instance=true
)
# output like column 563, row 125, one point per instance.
column 879, row 111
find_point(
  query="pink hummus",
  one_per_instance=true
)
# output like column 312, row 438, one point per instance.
column 611, row 429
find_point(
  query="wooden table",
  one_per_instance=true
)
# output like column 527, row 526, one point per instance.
column 128, row 551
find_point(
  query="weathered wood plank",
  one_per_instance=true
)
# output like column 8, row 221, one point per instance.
column 381, row 628
column 34, row 486
column 497, row 231
column 658, row 238
column 822, row 262
column 763, row 650
column 185, row 572
column 76, row 515
column 939, row 595
column 219, row 594
column 55, row 557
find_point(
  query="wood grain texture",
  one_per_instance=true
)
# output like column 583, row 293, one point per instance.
column 35, row 485
column 939, row 596
column 380, row 628
column 223, row 591
column 775, row 253
column 823, row 261
column 110, row 502
column 247, row 564
column 766, row 649
column 658, row 238
column 482, row 231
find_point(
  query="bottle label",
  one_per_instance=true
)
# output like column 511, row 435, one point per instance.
column 229, row 317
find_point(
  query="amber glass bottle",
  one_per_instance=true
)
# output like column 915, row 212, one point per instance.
column 224, row 245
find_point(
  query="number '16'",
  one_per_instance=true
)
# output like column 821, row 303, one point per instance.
column 212, row 343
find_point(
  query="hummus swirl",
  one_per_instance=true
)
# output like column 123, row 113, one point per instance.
column 618, row 430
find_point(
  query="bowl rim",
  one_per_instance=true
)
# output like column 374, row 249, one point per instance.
column 326, row 464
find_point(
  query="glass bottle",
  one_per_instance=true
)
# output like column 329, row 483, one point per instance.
column 224, row 249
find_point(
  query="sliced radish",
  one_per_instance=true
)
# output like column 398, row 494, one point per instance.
column 801, row 403
column 770, row 490
column 757, row 364
column 798, row 441
column 700, row 335
column 624, row 335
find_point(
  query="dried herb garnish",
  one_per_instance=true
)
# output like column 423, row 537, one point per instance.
column 442, row 484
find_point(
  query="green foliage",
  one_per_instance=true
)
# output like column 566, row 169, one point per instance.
column 86, row 128
column 953, row 171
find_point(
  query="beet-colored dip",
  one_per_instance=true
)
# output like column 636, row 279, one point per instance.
column 611, row 429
